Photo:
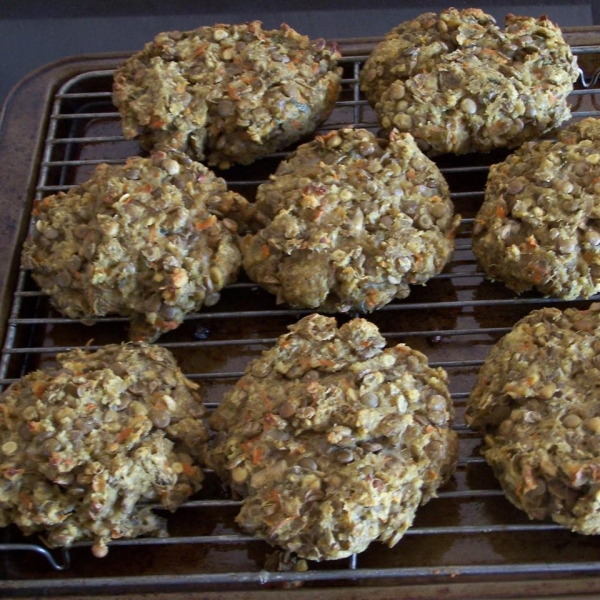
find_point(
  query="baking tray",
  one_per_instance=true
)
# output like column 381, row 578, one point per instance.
column 59, row 123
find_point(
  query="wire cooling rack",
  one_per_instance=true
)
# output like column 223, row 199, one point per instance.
column 469, row 533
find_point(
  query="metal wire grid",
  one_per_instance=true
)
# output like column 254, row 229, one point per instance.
column 55, row 174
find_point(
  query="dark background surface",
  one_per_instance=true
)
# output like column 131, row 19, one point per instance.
column 36, row 32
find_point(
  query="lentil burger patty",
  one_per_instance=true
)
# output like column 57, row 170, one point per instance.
column 539, row 224
column 536, row 399
column 83, row 445
column 138, row 240
column 459, row 84
column 349, row 222
column 228, row 93
column 333, row 440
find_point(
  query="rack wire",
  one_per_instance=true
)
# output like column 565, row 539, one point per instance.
column 469, row 531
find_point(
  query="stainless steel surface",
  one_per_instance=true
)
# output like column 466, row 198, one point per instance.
column 469, row 532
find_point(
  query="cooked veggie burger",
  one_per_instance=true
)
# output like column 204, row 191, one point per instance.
column 84, row 447
column 334, row 440
column 229, row 93
column 137, row 240
column 350, row 221
column 539, row 225
column 536, row 399
column 459, row 84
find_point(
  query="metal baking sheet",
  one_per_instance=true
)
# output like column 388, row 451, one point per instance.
column 56, row 127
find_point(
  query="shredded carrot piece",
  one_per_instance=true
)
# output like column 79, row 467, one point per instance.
column 124, row 434
column 282, row 524
column 201, row 49
column 247, row 445
column 266, row 400
column 189, row 470
column 206, row 223
column 532, row 241
column 38, row 389
column 538, row 274
column 232, row 92
column 257, row 455
column 168, row 325
column 274, row 496
column 26, row 500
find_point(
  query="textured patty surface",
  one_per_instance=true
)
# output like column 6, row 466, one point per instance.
column 537, row 400
column 539, row 224
column 349, row 221
column 460, row 84
column 228, row 93
column 334, row 440
column 137, row 240
column 85, row 446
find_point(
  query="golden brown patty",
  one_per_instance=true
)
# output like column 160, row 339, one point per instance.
column 333, row 440
column 349, row 222
column 537, row 399
column 86, row 446
column 460, row 84
column 140, row 240
column 539, row 225
column 228, row 93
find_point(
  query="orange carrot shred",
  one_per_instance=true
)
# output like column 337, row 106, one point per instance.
column 257, row 455
column 38, row 389
column 201, row 225
column 188, row 469
column 124, row 434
